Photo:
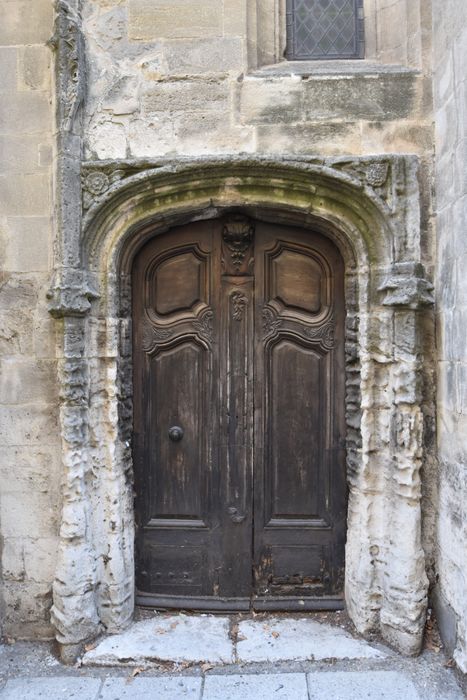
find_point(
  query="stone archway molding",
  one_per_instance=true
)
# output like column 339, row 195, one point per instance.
column 371, row 208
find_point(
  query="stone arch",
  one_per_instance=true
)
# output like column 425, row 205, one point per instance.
column 370, row 208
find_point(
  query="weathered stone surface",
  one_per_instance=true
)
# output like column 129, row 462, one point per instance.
column 215, row 55
column 275, row 640
column 282, row 686
column 34, row 69
column 27, row 112
column 9, row 61
column 29, row 474
column 164, row 688
column 450, row 51
column 186, row 96
column 375, row 685
column 174, row 18
column 34, row 688
column 24, row 22
column 25, row 195
column 167, row 638
column 27, row 247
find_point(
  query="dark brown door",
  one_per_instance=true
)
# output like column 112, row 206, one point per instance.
column 239, row 417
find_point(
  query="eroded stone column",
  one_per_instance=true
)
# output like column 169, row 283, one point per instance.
column 404, row 581
column 74, row 611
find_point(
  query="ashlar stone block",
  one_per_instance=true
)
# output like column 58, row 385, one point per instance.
column 381, row 97
column 27, row 247
column 194, row 56
column 187, row 96
column 25, row 194
column 26, row 513
column 26, row 22
column 31, row 424
column 23, row 380
column 270, row 101
column 26, row 112
column 8, row 74
column 174, row 19
column 24, row 153
column 34, row 70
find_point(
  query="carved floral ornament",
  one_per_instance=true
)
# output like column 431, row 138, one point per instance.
column 238, row 237
column 95, row 184
column 153, row 334
column 322, row 334
column 239, row 303
column 377, row 174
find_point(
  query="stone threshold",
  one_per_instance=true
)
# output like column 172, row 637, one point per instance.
column 203, row 639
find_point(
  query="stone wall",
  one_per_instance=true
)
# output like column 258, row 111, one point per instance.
column 450, row 81
column 160, row 87
column 30, row 454
column 166, row 81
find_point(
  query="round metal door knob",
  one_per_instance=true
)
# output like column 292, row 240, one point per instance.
column 175, row 433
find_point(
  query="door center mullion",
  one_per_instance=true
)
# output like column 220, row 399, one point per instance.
column 236, row 386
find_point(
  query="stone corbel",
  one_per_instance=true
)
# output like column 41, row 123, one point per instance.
column 406, row 286
column 71, row 293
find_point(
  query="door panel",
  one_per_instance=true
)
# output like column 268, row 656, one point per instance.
column 300, row 492
column 175, row 414
column 239, row 417
column 294, row 436
column 179, row 380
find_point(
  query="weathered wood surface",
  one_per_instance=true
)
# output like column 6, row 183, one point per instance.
column 239, row 416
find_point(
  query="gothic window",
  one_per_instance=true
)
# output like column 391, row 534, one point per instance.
column 324, row 29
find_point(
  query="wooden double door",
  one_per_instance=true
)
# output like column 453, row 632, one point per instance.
column 239, row 423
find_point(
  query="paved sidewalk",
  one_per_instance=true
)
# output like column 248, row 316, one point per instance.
column 315, row 685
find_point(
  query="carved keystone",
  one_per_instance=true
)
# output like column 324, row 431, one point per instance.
column 237, row 235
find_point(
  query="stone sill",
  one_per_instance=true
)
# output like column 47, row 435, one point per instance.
column 342, row 68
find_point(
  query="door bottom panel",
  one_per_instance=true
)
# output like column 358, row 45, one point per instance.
column 205, row 604
column 234, row 605
column 297, row 604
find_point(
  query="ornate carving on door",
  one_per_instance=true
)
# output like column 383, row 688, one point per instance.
column 239, row 417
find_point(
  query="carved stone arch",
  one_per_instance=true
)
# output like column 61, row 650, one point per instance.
column 370, row 209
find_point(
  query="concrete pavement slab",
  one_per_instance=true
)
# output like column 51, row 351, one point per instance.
column 372, row 685
column 162, row 688
column 279, row 686
column 177, row 638
column 284, row 639
column 51, row 689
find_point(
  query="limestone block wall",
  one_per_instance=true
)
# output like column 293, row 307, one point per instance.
column 450, row 81
column 177, row 77
column 29, row 436
column 165, row 80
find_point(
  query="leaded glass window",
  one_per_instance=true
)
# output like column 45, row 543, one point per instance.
column 318, row 29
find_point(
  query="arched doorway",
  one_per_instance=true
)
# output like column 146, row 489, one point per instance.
column 239, row 417
column 369, row 207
